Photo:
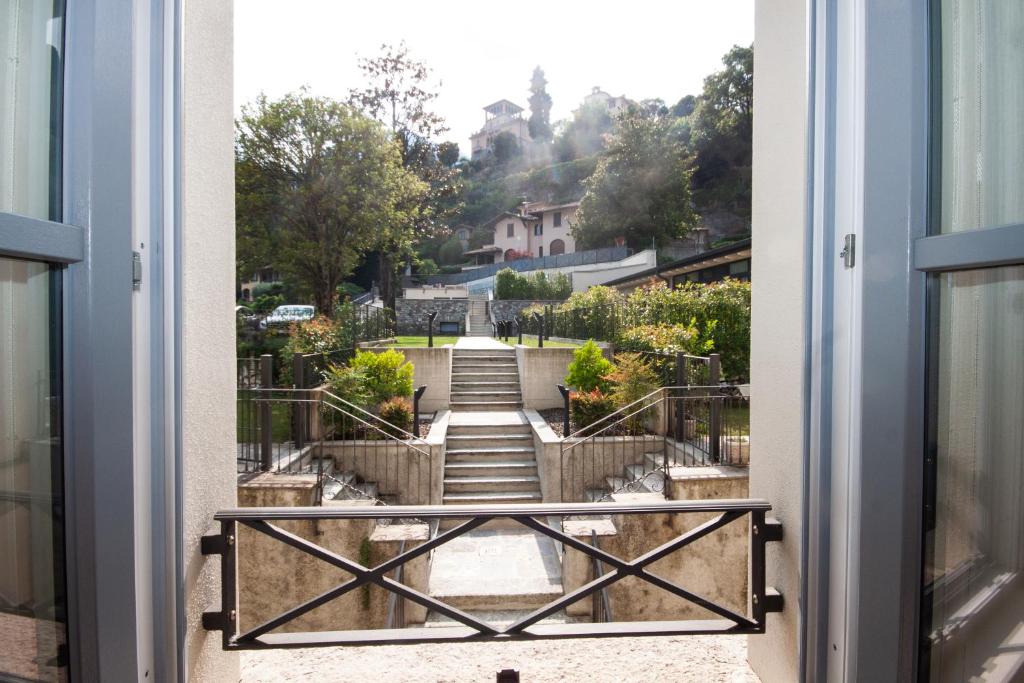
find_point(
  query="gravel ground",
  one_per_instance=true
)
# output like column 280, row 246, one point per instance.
column 599, row 660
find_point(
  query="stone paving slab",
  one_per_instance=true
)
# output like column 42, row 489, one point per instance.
column 480, row 343
column 496, row 563
column 496, row 418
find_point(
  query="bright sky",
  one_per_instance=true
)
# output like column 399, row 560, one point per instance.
column 481, row 52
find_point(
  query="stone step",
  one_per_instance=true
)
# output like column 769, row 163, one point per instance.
column 655, row 461
column 498, row 498
column 487, row 429
column 484, row 366
column 491, row 468
column 504, row 358
column 481, row 406
column 475, row 441
column 595, row 495
column 503, row 376
column 499, row 618
column 468, row 353
column 471, row 384
column 492, row 484
column 489, row 396
column 489, row 454
column 653, row 481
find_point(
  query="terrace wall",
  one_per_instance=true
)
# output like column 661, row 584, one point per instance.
column 411, row 314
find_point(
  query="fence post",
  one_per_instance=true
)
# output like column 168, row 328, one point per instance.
column 715, row 428
column 430, row 329
column 680, row 417
column 549, row 321
column 299, row 382
column 416, row 409
column 265, row 412
column 541, row 323
column 519, row 326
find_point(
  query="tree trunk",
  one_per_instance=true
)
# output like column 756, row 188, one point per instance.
column 324, row 298
column 386, row 277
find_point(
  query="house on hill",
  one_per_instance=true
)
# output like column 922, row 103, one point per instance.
column 533, row 230
column 500, row 117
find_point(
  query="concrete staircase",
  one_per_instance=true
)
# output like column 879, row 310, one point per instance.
column 479, row 322
column 645, row 477
column 485, row 379
column 490, row 464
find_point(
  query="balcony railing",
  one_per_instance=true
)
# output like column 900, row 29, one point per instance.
column 728, row 619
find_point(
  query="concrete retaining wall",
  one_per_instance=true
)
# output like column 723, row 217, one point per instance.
column 411, row 314
column 432, row 367
column 273, row 577
column 715, row 566
column 540, row 370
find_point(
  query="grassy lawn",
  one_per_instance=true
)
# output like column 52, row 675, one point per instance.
column 422, row 341
column 281, row 420
column 531, row 341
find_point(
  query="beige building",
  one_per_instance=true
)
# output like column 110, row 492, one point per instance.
column 614, row 105
column 501, row 117
column 536, row 229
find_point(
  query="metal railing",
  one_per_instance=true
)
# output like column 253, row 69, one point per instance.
column 633, row 448
column 248, row 374
column 727, row 618
column 354, row 453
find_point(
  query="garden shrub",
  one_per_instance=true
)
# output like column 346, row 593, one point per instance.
column 398, row 412
column 387, row 374
column 319, row 335
column 508, row 284
column 588, row 407
column 349, row 384
column 450, row 252
column 666, row 338
column 588, row 369
column 632, row 379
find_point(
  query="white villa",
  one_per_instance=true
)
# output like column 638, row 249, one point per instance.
column 536, row 229
column 501, row 117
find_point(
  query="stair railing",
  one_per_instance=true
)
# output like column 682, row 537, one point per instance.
column 633, row 448
column 377, row 451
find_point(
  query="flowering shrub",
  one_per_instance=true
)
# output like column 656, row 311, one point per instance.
column 319, row 335
column 398, row 412
column 632, row 379
column 666, row 339
column 588, row 407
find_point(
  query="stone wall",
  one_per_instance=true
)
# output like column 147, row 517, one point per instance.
column 412, row 314
column 274, row 577
column 714, row 567
column 506, row 309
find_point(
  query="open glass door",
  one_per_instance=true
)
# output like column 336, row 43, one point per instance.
column 972, row 616
column 33, row 247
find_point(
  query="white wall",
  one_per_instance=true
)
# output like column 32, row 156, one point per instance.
column 778, row 327
column 208, row 326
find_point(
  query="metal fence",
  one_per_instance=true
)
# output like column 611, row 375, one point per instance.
column 634, row 448
column 750, row 515
column 579, row 258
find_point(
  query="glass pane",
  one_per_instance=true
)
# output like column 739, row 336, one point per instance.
column 973, row 610
column 33, row 607
column 982, row 106
column 31, row 35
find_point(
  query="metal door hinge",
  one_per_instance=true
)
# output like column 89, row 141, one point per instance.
column 136, row 271
column 849, row 252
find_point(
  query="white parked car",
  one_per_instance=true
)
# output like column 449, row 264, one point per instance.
column 289, row 313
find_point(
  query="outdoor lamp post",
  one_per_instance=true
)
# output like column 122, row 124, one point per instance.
column 540, row 325
column 565, row 409
column 416, row 409
column 430, row 329
column 519, row 325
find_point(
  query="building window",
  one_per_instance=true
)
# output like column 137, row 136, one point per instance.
column 538, row 229
column 557, row 219
column 557, row 247
column 510, row 230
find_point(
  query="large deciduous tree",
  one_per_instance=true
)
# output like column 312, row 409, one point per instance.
column 722, row 126
column 540, row 107
column 399, row 94
column 640, row 191
column 317, row 183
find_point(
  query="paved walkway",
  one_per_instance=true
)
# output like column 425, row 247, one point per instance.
column 480, row 343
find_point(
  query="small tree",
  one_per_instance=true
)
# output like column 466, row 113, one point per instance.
column 451, row 252
column 540, row 107
column 589, row 369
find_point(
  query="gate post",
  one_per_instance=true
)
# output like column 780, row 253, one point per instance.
column 715, row 428
column 298, row 408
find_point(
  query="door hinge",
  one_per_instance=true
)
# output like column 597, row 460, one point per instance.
column 849, row 252
column 136, row 271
